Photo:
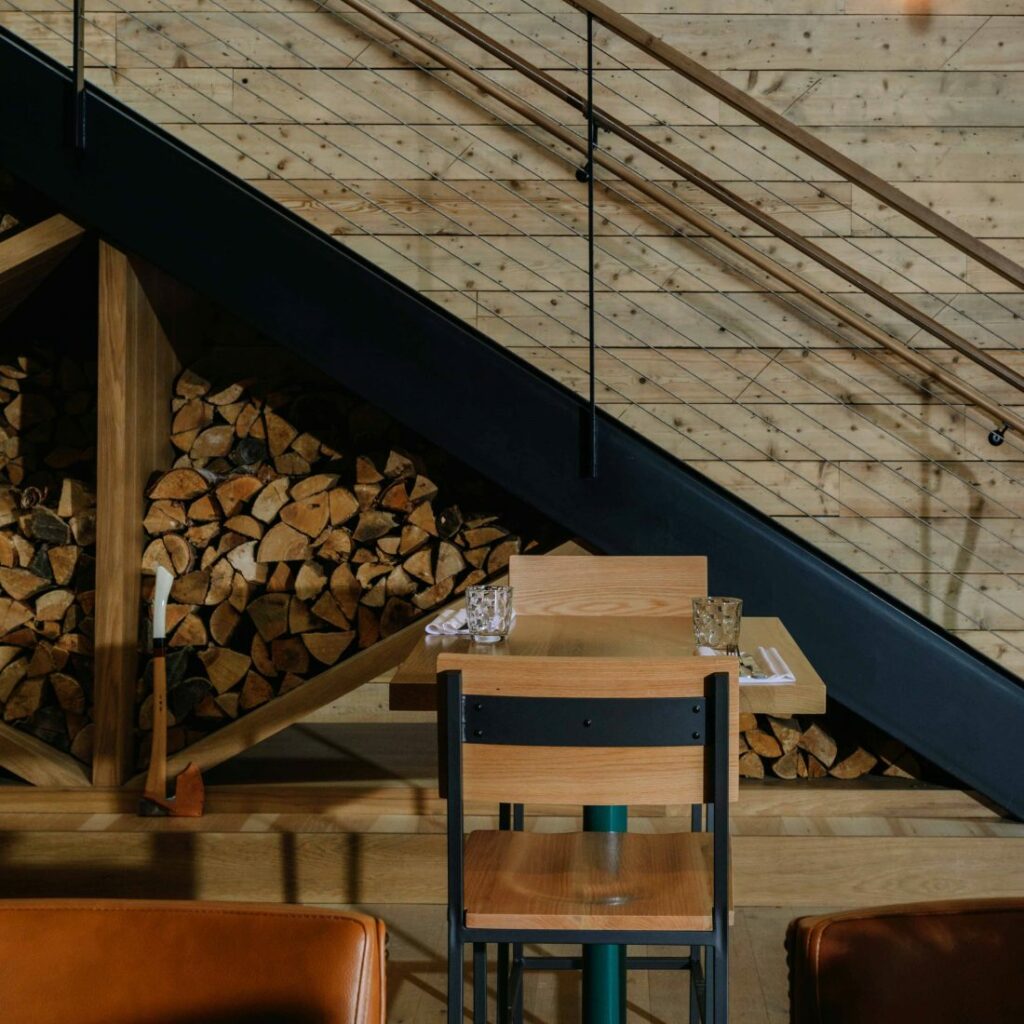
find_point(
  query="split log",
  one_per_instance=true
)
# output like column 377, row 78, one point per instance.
column 819, row 744
column 859, row 763
column 763, row 743
column 751, row 766
column 786, row 730
column 290, row 550
column 790, row 765
column 283, row 543
column 224, row 667
column 47, row 537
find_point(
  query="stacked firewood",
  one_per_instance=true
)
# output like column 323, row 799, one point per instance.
column 807, row 748
column 47, row 542
column 291, row 549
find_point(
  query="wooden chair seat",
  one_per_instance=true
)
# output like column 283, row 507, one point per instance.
column 589, row 880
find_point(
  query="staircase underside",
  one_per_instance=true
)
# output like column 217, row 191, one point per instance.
column 149, row 195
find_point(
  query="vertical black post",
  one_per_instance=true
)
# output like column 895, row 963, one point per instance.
column 718, row 982
column 449, row 705
column 590, row 454
column 78, row 77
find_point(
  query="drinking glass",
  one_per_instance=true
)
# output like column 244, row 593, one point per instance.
column 488, row 613
column 716, row 623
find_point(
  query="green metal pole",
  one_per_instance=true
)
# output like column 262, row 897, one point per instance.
column 604, row 967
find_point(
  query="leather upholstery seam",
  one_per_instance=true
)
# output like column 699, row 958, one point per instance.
column 58, row 907
column 913, row 912
column 819, row 934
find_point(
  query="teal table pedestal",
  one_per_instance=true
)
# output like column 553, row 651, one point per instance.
column 604, row 967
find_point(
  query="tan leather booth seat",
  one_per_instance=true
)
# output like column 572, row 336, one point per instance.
column 164, row 962
column 940, row 963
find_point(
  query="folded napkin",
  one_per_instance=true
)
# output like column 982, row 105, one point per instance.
column 778, row 673
column 452, row 622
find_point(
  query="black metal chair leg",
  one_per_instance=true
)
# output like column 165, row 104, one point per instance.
column 502, row 985
column 479, row 983
column 710, row 993
column 455, row 978
column 694, row 976
column 721, row 981
column 517, row 987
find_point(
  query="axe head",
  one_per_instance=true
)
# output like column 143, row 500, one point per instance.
column 188, row 800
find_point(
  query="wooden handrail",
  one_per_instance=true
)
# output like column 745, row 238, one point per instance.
column 802, row 139
column 755, row 214
column 697, row 220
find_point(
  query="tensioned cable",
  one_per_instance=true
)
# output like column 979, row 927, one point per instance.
column 901, row 441
column 831, row 328
column 851, row 240
column 937, row 531
column 945, row 302
column 845, row 540
column 761, row 155
column 893, row 536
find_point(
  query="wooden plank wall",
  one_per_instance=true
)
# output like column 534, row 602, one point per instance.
column 848, row 450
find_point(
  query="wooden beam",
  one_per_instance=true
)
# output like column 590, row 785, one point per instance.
column 137, row 366
column 283, row 711
column 27, row 257
column 297, row 704
column 867, row 797
column 758, row 800
column 308, row 865
column 37, row 762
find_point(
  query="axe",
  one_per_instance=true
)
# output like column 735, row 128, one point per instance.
column 189, row 796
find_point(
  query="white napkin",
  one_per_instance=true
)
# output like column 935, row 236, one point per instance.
column 452, row 622
column 769, row 658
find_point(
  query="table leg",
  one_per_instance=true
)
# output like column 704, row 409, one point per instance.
column 604, row 967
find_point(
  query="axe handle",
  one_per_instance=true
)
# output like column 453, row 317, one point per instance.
column 156, row 777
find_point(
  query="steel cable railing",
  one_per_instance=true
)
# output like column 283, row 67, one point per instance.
column 852, row 340
column 946, row 537
column 497, row 49
column 667, row 326
column 993, row 567
column 537, row 340
column 971, row 393
column 721, row 159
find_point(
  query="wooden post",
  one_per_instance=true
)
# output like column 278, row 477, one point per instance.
column 27, row 257
column 137, row 366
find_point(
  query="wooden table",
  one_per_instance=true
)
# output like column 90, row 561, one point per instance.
column 413, row 686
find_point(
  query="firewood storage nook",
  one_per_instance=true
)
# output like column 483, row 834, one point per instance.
column 309, row 536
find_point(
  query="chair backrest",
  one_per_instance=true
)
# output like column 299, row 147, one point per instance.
column 607, row 584
column 122, row 962
column 581, row 731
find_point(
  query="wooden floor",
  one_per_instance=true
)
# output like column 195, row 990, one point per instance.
column 416, row 977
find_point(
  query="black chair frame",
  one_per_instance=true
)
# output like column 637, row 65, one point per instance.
column 542, row 721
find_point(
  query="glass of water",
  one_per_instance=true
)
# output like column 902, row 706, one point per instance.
column 488, row 613
column 716, row 623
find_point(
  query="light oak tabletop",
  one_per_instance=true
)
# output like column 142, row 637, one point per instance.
column 413, row 687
